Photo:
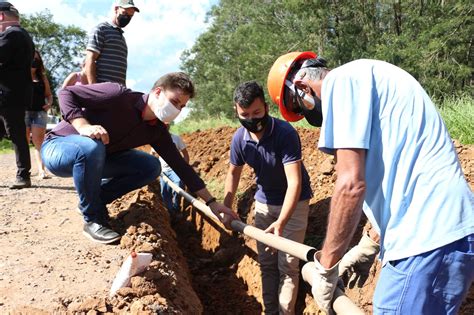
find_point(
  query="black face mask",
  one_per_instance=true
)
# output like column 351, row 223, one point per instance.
column 123, row 20
column 314, row 116
column 254, row 124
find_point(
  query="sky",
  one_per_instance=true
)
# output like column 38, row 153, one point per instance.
column 156, row 36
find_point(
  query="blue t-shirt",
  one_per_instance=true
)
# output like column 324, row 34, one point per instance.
column 416, row 194
column 279, row 145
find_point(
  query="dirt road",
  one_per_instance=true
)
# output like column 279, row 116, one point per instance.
column 45, row 259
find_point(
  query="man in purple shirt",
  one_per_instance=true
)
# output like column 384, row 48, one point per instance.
column 272, row 148
column 102, row 124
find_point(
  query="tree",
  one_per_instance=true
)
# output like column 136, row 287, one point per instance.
column 61, row 47
column 430, row 39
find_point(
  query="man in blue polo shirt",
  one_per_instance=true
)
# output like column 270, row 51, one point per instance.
column 397, row 163
column 272, row 148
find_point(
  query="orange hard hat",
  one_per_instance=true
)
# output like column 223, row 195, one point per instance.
column 277, row 77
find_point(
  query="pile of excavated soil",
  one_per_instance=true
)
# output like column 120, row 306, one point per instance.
column 48, row 266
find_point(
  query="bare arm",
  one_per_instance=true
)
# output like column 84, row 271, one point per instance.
column 231, row 183
column 70, row 80
column 292, row 195
column 224, row 213
column 90, row 68
column 47, row 93
column 346, row 204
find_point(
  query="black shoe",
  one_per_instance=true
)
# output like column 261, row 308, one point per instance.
column 100, row 233
column 21, row 183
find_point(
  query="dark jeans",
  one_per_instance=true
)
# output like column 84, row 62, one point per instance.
column 14, row 124
column 86, row 160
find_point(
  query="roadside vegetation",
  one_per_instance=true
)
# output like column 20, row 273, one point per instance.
column 245, row 37
column 457, row 113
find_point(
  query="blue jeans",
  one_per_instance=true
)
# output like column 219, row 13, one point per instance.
column 36, row 118
column 170, row 197
column 85, row 159
column 434, row 282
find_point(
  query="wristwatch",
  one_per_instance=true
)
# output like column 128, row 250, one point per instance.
column 210, row 201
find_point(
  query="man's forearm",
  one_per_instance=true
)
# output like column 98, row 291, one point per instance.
column 231, row 184
column 79, row 122
column 91, row 73
column 230, row 188
column 204, row 194
column 292, row 195
column 345, row 212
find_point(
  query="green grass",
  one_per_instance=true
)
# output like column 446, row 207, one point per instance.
column 458, row 114
column 216, row 188
column 5, row 146
column 187, row 125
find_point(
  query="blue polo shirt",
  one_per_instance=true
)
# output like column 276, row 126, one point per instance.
column 416, row 194
column 280, row 145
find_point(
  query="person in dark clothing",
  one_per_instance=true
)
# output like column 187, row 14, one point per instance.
column 16, row 55
column 102, row 124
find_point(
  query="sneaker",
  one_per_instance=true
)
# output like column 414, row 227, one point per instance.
column 21, row 183
column 100, row 233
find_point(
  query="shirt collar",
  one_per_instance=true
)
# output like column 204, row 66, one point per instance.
column 111, row 23
column 268, row 131
column 141, row 104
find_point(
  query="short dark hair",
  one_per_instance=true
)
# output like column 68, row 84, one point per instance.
column 176, row 80
column 8, row 9
column 246, row 93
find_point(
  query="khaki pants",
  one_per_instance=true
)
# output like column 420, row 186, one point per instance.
column 280, row 271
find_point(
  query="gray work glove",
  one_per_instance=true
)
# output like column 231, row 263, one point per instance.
column 358, row 260
column 324, row 284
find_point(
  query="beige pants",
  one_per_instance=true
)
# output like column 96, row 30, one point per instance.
column 280, row 271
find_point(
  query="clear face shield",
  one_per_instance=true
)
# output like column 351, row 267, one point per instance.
column 296, row 100
column 303, row 104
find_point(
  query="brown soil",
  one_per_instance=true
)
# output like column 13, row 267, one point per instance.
column 209, row 152
column 49, row 266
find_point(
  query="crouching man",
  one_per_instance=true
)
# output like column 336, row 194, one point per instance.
column 102, row 124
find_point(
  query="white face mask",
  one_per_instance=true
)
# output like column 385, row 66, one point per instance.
column 165, row 111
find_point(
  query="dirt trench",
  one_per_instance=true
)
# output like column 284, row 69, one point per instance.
column 198, row 267
column 209, row 152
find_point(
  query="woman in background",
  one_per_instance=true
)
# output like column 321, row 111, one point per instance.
column 36, row 115
column 76, row 78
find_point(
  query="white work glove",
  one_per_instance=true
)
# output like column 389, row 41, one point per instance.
column 358, row 260
column 324, row 284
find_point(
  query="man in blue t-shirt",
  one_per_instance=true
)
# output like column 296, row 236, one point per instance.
column 397, row 163
column 272, row 148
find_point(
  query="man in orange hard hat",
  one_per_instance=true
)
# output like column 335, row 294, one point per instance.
column 397, row 163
